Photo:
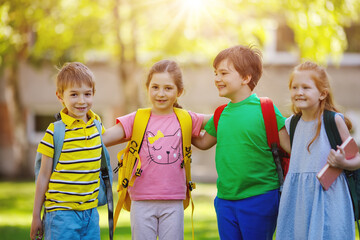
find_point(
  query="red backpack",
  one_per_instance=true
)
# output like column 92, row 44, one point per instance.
column 281, row 158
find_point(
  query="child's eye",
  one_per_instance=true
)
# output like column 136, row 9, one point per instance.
column 154, row 87
column 168, row 88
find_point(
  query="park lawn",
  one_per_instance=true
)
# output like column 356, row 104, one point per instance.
column 16, row 203
column 17, row 198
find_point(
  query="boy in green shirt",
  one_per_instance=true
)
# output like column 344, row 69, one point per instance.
column 248, row 189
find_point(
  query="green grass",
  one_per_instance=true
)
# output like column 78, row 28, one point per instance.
column 17, row 198
column 16, row 203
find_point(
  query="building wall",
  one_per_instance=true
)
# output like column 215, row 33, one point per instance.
column 38, row 92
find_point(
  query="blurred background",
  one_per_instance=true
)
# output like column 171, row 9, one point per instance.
column 119, row 40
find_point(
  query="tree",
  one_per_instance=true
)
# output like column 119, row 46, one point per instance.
column 195, row 29
column 41, row 31
column 136, row 33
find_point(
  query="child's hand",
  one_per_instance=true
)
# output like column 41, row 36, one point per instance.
column 36, row 232
column 337, row 158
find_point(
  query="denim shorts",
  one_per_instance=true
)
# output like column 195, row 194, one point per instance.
column 71, row 224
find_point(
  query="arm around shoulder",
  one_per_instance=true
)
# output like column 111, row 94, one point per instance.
column 114, row 135
column 204, row 141
column 284, row 140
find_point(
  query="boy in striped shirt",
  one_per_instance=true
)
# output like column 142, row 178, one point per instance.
column 70, row 192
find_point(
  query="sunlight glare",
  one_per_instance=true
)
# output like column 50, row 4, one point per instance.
column 194, row 5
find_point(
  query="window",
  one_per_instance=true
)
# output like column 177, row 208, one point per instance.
column 285, row 41
column 42, row 122
column 353, row 38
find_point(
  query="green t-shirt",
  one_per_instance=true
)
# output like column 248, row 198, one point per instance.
column 244, row 162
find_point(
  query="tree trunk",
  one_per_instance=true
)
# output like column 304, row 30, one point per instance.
column 128, row 67
column 17, row 117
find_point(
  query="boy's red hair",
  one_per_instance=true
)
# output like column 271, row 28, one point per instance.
column 247, row 61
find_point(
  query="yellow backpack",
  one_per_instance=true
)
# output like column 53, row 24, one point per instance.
column 129, row 159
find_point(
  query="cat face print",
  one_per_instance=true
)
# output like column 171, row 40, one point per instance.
column 164, row 149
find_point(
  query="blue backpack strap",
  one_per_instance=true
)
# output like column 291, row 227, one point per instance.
column 59, row 136
column 58, row 139
column 105, row 191
column 105, row 156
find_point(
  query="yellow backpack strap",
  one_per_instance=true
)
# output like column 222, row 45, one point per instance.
column 128, row 159
column 186, row 131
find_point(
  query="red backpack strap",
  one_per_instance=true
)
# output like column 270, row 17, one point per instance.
column 217, row 114
column 268, row 111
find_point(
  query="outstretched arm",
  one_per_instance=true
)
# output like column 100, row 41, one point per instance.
column 204, row 141
column 42, row 185
column 113, row 135
column 284, row 140
column 338, row 159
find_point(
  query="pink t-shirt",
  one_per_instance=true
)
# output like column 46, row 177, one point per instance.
column 161, row 155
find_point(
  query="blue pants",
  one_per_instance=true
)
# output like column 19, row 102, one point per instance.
column 74, row 225
column 249, row 218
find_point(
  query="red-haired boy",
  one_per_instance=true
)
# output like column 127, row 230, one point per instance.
column 248, row 188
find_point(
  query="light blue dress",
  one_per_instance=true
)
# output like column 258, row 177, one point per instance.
column 306, row 211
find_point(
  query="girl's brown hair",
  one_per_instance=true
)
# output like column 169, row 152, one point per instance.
column 247, row 61
column 173, row 69
column 321, row 80
column 74, row 74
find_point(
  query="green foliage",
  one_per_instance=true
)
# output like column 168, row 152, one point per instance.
column 318, row 26
column 56, row 31
column 60, row 31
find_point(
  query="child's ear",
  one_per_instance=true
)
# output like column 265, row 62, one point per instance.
column 246, row 79
column 60, row 98
column 323, row 95
column 179, row 93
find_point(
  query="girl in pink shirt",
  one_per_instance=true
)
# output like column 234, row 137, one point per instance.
column 157, row 196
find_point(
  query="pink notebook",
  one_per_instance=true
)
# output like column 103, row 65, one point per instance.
column 328, row 174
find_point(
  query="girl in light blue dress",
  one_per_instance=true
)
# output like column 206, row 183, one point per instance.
column 306, row 211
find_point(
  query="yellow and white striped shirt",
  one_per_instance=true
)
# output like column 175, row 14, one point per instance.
column 74, row 184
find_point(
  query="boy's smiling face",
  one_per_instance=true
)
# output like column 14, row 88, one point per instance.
column 229, row 82
column 77, row 100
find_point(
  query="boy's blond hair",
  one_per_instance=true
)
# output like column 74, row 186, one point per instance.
column 74, row 74
column 247, row 61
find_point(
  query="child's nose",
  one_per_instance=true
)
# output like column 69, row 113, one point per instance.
column 217, row 78
column 161, row 92
column 81, row 99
